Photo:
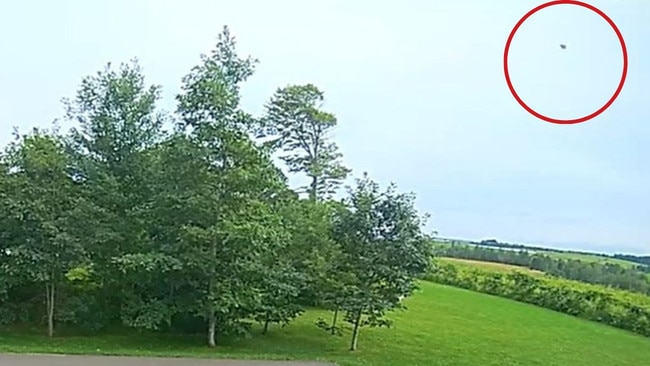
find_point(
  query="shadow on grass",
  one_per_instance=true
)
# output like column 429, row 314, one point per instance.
column 278, row 344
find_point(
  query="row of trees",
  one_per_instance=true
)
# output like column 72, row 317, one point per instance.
column 605, row 273
column 617, row 308
column 642, row 261
column 120, row 221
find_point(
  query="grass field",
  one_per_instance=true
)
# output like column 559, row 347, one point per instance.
column 443, row 326
column 491, row 266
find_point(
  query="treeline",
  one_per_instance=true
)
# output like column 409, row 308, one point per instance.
column 644, row 261
column 616, row 308
column 194, row 229
column 609, row 274
column 497, row 244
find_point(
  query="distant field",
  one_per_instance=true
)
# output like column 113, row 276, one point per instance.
column 443, row 326
column 590, row 258
column 492, row 266
column 585, row 257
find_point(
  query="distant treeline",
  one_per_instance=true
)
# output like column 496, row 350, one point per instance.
column 605, row 305
column 642, row 260
column 608, row 274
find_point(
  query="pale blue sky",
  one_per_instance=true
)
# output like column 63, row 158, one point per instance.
column 419, row 91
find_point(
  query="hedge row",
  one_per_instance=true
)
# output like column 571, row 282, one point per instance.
column 616, row 308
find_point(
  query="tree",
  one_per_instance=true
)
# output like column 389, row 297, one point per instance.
column 218, row 223
column 384, row 252
column 335, row 283
column 210, row 92
column 115, row 110
column 296, row 126
column 311, row 250
column 9, row 222
column 229, row 225
column 280, row 287
column 43, row 201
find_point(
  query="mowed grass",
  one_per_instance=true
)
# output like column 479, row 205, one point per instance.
column 442, row 326
column 490, row 266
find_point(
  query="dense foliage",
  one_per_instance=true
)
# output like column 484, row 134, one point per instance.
column 617, row 308
column 195, row 229
column 609, row 274
column 382, row 252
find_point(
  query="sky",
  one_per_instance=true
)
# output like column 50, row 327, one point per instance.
column 418, row 89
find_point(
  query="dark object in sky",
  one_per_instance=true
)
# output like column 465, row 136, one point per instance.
column 563, row 46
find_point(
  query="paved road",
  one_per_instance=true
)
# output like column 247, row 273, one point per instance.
column 62, row 360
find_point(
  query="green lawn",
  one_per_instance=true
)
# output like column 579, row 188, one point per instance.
column 443, row 326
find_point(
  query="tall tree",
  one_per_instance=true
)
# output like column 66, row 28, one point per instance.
column 229, row 225
column 384, row 252
column 43, row 202
column 296, row 126
column 115, row 110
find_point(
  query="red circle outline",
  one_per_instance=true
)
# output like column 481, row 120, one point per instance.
column 565, row 121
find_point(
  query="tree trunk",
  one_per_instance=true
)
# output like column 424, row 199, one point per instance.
column 313, row 189
column 170, row 316
column 355, row 331
column 314, row 158
column 266, row 326
column 336, row 314
column 212, row 317
column 50, row 297
column 212, row 326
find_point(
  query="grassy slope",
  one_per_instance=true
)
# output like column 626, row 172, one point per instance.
column 443, row 326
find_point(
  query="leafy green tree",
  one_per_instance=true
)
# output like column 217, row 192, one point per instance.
column 222, row 227
column 116, row 112
column 335, row 284
column 203, row 228
column 311, row 250
column 384, row 252
column 211, row 91
column 229, row 225
column 296, row 126
column 47, row 212
column 8, row 221
column 280, row 287
column 118, row 125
